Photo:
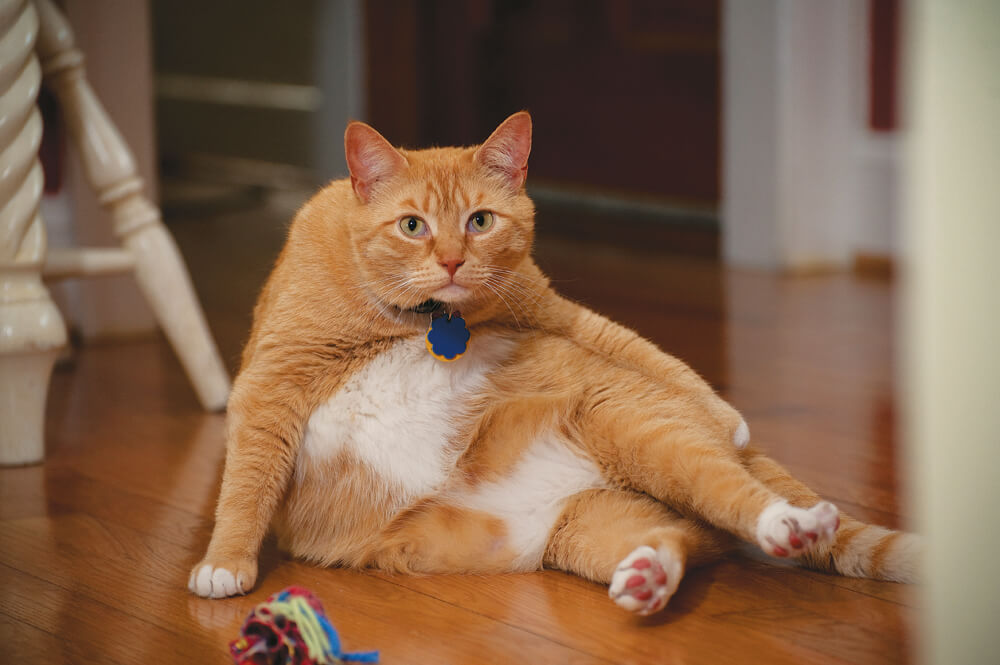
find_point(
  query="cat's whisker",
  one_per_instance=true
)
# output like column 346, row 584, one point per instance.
column 517, row 275
column 379, row 288
column 498, row 289
column 397, row 289
column 520, row 293
column 382, row 294
column 392, row 284
column 516, row 291
column 511, row 278
column 517, row 321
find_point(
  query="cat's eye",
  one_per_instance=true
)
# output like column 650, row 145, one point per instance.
column 480, row 221
column 412, row 226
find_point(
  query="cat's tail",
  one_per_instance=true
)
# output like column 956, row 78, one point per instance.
column 859, row 550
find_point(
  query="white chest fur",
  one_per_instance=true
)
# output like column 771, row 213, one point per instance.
column 398, row 414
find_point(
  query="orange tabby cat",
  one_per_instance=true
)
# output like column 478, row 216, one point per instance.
column 559, row 439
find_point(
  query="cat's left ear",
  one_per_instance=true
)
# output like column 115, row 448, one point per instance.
column 506, row 150
column 370, row 158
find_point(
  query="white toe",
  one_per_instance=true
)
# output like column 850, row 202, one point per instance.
column 203, row 581
column 223, row 583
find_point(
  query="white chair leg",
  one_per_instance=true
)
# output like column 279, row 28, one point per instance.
column 110, row 168
column 31, row 334
column 163, row 278
column 24, row 385
column 31, row 329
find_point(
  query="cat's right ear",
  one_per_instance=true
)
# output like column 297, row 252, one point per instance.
column 370, row 158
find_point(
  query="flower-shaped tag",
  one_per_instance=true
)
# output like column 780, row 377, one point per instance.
column 448, row 338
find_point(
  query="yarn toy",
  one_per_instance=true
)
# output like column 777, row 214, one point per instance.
column 291, row 628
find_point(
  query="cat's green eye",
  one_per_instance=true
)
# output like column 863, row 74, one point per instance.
column 480, row 221
column 412, row 226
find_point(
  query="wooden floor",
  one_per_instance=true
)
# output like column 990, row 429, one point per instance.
column 95, row 546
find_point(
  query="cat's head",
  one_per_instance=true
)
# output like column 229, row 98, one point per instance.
column 443, row 227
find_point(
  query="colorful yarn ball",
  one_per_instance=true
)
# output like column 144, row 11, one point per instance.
column 291, row 628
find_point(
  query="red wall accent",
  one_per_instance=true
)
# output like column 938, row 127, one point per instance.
column 883, row 65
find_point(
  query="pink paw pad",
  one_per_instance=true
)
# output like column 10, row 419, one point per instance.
column 642, row 584
column 634, row 581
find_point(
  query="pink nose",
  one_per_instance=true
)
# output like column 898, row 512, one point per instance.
column 452, row 265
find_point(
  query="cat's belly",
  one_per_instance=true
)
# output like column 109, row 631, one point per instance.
column 387, row 440
column 531, row 496
column 398, row 415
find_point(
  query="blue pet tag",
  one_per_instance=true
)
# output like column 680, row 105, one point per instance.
column 448, row 338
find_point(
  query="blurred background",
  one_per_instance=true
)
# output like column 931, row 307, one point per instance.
column 762, row 134
column 447, row 73
column 627, row 98
column 702, row 163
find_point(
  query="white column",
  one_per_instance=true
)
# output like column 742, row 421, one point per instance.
column 794, row 137
column 952, row 355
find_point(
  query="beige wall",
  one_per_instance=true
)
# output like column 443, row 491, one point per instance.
column 952, row 350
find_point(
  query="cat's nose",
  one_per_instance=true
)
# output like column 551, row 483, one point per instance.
column 452, row 265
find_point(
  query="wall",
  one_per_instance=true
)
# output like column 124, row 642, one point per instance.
column 273, row 84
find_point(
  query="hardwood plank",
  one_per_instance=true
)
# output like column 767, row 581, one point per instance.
column 567, row 610
column 837, row 619
column 129, row 573
column 23, row 643
column 96, row 627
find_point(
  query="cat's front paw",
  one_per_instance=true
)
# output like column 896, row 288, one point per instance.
column 786, row 531
column 223, row 578
column 741, row 437
column 645, row 580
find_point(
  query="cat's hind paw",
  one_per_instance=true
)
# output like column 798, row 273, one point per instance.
column 222, row 580
column 645, row 580
column 786, row 531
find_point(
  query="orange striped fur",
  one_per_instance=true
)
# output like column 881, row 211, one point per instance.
column 560, row 439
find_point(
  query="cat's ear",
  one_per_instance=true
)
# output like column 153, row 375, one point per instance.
column 370, row 158
column 506, row 150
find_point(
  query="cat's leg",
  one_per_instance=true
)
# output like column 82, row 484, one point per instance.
column 264, row 428
column 649, row 440
column 627, row 349
column 859, row 550
column 435, row 537
column 634, row 544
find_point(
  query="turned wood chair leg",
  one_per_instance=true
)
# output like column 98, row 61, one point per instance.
column 110, row 169
column 31, row 330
